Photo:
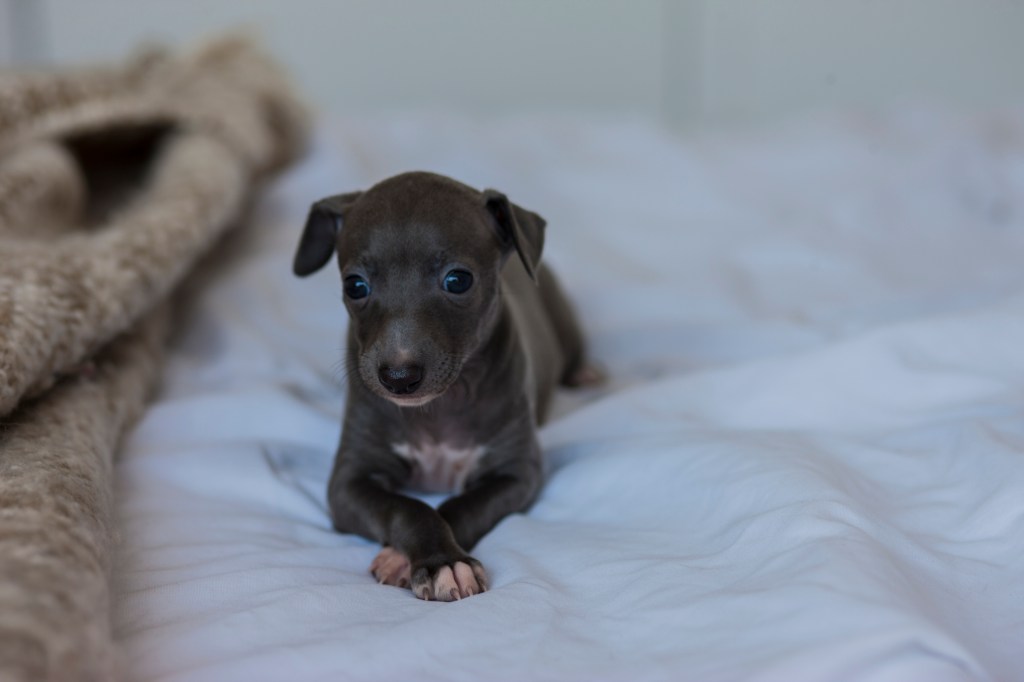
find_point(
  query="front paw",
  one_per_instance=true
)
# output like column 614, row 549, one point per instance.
column 391, row 567
column 449, row 579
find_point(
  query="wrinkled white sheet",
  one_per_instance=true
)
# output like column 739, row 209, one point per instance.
column 808, row 464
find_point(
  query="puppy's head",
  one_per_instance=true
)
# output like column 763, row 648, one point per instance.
column 420, row 257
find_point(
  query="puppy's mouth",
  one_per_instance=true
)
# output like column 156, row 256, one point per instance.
column 411, row 400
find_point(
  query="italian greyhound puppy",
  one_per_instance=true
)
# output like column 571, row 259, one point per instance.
column 457, row 338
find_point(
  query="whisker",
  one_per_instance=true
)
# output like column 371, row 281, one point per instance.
column 341, row 370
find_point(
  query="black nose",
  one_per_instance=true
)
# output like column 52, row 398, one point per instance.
column 401, row 380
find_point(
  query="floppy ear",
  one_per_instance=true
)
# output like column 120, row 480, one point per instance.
column 517, row 227
column 321, row 232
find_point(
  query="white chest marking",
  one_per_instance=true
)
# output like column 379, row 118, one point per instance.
column 437, row 467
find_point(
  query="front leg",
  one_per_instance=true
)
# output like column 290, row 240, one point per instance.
column 506, row 488
column 420, row 551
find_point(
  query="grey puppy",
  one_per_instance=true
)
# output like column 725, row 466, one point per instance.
column 457, row 346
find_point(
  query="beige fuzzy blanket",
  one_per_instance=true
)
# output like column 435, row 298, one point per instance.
column 114, row 182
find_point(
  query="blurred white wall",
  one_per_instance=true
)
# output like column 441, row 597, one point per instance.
column 687, row 62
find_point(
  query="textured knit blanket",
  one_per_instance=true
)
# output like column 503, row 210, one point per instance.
column 114, row 183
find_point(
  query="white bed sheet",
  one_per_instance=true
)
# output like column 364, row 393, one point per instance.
column 808, row 464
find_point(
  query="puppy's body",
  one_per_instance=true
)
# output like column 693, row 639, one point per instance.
column 447, row 381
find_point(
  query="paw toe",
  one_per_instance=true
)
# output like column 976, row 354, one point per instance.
column 445, row 586
column 391, row 567
column 585, row 376
column 468, row 585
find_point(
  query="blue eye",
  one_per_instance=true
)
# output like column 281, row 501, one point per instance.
column 457, row 282
column 356, row 287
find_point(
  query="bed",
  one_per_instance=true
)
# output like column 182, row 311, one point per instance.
column 807, row 462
